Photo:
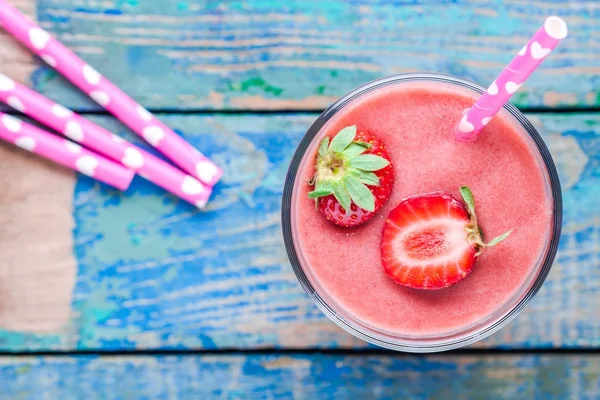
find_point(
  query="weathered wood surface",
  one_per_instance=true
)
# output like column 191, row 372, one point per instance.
column 37, row 265
column 15, row 59
column 155, row 273
column 152, row 272
column 302, row 377
column 296, row 54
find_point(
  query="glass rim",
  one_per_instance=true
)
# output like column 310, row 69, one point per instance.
column 546, row 265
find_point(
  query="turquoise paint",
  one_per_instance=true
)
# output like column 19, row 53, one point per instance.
column 18, row 340
column 153, row 276
column 156, row 273
column 182, row 65
column 271, row 376
column 171, row 239
column 580, row 203
column 255, row 86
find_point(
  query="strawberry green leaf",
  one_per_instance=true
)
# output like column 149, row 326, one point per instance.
column 353, row 150
column 467, row 196
column 343, row 139
column 369, row 162
column 341, row 195
column 363, row 144
column 368, row 178
column 498, row 239
column 324, row 185
column 318, row 193
column 359, row 193
column 322, row 188
column 323, row 146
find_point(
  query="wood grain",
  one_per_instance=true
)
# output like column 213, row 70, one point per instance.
column 154, row 273
column 37, row 266
column 15, row 59
column 269, row 54
column 542, row 377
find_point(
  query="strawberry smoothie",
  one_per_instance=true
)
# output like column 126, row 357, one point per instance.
column 512, row 188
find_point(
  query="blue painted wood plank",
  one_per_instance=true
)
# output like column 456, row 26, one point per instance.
column 299, row 377
column 155, row 273
column 302, row 55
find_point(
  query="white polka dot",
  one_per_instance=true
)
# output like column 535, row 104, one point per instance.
column 485, row 121
column 11, row 123
column 73, row 147
column 26, row 143
column 39, row 38
column 523, row 51
column 91, row 75
column 117, row 139
column 133, row 158
column 493, row 89
column 556, row 27
column 48, row 60
column 191, row 186
column 87, row 165
column 100, row 97
column 206, row 171
column 201, row 203
column 465, row 126
column 153, row 134
column 74, row 131
column 538, row 52
column 60, row 111
column 15, row 103
column 144, row 114
column 6, row 84
column 512, row 87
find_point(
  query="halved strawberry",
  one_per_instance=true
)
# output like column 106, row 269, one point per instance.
column 431, row 241
column 353, row 177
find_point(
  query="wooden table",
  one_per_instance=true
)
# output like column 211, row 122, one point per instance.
column 171, row 303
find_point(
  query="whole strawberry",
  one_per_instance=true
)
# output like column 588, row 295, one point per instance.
column 353, row 177
column 431, row 241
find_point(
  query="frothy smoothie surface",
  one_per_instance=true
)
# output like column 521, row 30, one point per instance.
column 502, row 168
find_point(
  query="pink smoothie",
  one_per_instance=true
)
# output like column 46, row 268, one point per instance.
column 502, row 168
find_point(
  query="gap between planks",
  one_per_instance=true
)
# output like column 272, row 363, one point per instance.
column 245, row 112
column 314, row 351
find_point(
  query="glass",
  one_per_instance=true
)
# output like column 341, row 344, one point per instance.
column 450, row 341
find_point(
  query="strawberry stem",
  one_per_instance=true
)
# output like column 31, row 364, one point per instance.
column 498, row 239
column 474, row 234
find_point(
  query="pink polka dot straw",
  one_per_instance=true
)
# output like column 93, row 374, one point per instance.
column 108, row 95
column 96, row 138
column 64, row 152
column 511, row 78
